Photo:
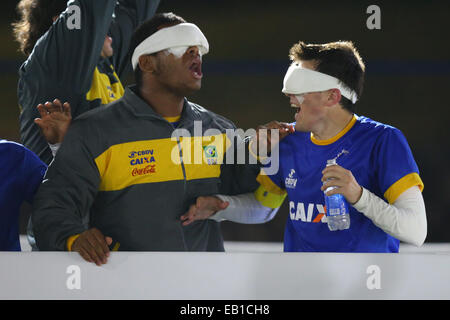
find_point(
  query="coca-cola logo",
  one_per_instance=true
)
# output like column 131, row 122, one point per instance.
column 143, row 171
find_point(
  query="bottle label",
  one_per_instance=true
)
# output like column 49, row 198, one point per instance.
column 336, row 205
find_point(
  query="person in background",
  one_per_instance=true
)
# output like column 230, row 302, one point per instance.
column 21, row 173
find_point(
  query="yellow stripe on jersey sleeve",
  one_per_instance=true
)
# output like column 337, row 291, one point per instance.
column 408, row 181
column 268, row 199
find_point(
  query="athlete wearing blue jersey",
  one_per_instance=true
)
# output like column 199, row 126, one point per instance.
column 376, row 173
column 21, row 173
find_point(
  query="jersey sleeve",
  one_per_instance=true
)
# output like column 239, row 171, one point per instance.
column 273, row 183
column 396, row 168
column 271, row 191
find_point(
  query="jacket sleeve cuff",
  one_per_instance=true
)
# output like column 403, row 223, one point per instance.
column 70, row 241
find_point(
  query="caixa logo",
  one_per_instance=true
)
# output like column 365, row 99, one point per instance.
column 134, row 154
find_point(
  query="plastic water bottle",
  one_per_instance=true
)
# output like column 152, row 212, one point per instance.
column 337, row 212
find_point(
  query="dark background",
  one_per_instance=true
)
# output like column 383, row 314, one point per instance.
column 407, row 78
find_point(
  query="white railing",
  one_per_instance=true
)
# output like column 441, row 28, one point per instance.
column 222, row 276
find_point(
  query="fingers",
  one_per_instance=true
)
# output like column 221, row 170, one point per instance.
column 189, row 217
column 334, row 172
column 66, row 109
column 224, row 205
column 55, row 106
column 42, row 110
column 203, row 208
column 83, row 253
column 102, row 246
column 284, row 129
column 333, row 183
column 343, row 179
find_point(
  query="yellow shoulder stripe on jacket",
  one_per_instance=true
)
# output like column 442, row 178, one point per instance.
column 396, row 189
column 158, row 160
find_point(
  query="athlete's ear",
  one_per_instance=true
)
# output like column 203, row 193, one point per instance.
column 334, row 97
column 147, row 63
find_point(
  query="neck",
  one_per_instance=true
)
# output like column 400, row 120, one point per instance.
column 335, row 121
column 163, row 102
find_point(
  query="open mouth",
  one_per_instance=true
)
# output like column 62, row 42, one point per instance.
column 196, row 69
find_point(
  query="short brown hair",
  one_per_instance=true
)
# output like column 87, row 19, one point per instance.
column 36, row 17
column 338, row 59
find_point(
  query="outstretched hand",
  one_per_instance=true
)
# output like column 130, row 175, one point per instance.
column 203, row 209
column 54, row 121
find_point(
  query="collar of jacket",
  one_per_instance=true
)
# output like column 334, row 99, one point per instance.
column 142, row 109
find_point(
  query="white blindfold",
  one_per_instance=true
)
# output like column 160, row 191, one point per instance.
column 182, row 36
column 300, row 80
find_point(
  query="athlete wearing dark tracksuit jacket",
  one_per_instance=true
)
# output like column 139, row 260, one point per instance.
column 115, row 172
column 67, row 64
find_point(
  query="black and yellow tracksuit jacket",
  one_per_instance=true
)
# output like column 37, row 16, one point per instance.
column 120, row 170
column 67, row 64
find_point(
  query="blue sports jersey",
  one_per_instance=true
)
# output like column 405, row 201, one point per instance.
column 379, row 158
column 21, row 173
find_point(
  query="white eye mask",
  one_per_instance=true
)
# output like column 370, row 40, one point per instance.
column 175, row 39
column 178, row 52
column 300, row 80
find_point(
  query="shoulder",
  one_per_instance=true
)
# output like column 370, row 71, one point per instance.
column 103, row 113
column 367, row 124
column 383, row 137
column 207, row 115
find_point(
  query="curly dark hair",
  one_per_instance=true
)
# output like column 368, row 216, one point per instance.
column 339, row 59
column 36, row 17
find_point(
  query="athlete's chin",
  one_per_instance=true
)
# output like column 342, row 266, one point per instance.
column 194, row 87
column 190, row 91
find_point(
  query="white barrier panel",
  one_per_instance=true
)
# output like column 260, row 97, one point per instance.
column 224, row 276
